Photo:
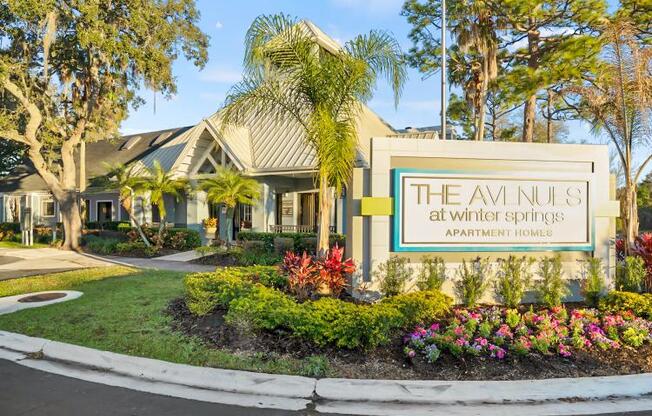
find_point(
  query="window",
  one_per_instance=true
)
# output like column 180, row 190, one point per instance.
column 47, row 208
column 243, row 217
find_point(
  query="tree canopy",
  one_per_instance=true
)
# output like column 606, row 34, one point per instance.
column 71, row 69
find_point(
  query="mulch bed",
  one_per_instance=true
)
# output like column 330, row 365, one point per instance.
column 219, row 259
column 389, row 362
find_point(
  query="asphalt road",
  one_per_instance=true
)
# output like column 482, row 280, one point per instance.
column 25, row 391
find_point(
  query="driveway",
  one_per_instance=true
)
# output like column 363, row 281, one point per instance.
column 21, row 262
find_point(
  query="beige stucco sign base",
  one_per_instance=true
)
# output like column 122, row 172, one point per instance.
column 461, row 199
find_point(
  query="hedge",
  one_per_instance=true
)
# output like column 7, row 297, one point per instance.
column 639, row 304
column 326, row 321
column 108, row 225
column 301, row 242
column 8, row 230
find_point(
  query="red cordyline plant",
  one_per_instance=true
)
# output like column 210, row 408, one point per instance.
column 303, row 275
column 642, row 247
column 307, row 275
column 333, row 270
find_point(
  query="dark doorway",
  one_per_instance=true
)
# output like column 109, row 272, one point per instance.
column 104, row 211
column 156, row 213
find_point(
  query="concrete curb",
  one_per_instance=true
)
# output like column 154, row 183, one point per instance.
column 232, row 381
column 365, row 397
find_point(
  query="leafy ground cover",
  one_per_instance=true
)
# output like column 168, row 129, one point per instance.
column 127, row 314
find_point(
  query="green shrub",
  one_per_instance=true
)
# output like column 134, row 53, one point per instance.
column 8, row 230
column 392, row 275
column 257, row 257
column 205, row 291
column 639, row 304
column 419, row 307
column 593, row 284
column 135, row 248
column 513, row 279
column 432, row 273
column 108, row 225
column 302, row 241
column 264, row 308
column 326, row 321
column 181, row 239
column 473, row 280
column 99, row 245
column 551, row 288
column 630, row 274
column 315, row 366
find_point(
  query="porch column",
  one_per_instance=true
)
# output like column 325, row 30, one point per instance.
column 262, row 213
column 196, row 211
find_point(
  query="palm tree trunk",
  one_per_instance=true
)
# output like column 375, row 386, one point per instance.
column 529, row 112
column 128, row 206
column 323, row 231
column 230, row 211
column 162, row 221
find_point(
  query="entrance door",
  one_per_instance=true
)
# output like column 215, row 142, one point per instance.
column 104, row 211
column 309, row 209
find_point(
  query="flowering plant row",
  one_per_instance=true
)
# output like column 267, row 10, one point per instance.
column 497, row 332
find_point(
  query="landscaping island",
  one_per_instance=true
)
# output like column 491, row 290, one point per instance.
column 281, row 320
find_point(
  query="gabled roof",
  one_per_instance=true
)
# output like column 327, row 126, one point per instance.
column 143, row 147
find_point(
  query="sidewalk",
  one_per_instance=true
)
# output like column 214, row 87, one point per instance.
column 154, row 263
column 22, row 262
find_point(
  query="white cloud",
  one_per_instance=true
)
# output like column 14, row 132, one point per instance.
column 219, row 25
column 221, row 75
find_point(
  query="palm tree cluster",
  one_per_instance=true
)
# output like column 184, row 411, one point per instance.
column 289, row 75
column 226, row 187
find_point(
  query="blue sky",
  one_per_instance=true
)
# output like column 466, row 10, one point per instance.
column 200, row 93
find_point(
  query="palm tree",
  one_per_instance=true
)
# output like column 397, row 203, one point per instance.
column 474, row 60
column 127, row 182
column 288, row 75
column 230, row 188
column 159, row 183
column 617, row 100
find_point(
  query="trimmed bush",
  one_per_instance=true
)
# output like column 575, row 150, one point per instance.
column 302, row 241
column 181, row 239
column 8, row 230
column 326, row 321
column 108, row 225
column 419, row 307
column 551, row 288
column 205, row 291
column 101, row 245
column 639, row 304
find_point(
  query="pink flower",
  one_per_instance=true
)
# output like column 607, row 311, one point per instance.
column 434, row 327
column 500, row 353
column 459, row 331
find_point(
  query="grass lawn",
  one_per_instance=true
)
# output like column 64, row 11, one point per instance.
column 16, row 244
column 126, row 314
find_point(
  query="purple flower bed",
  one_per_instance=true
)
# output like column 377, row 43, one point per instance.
column 497, row 332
